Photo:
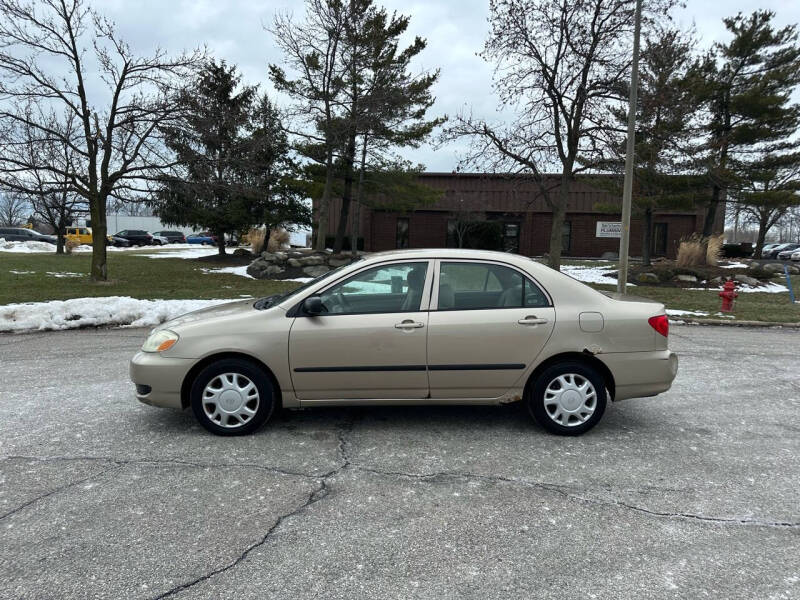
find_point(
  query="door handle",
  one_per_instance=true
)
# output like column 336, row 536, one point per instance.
column 409, row 324
column 532, row 320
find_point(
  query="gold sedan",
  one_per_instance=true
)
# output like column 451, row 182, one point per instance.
column 413, row 327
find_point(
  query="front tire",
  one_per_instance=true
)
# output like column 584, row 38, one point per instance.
column 568, row 398
column 232, row 397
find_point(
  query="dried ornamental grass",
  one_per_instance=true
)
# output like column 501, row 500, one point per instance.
column 714, row 250
column 256, row 237
column 278, row 239
column 691, row 252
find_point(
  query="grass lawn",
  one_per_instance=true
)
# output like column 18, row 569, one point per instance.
column 179, row 278
column 129, row 275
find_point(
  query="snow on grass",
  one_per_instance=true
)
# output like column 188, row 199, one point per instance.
column 241, row 271
column 674, row 312
column 26, row 247
column 767, row 288
column 190, row 252
column 735, row 265
column 22, row 272
column 117, row 311
column 64, row 274
column 591, row 274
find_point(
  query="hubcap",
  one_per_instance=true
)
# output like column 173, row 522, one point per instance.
column 230, row 400
column 570, row 399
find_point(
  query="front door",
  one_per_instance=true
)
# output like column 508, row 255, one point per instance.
column 370, row 344
column 490, row 322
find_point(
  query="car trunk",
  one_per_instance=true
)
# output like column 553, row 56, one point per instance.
column 633, row 332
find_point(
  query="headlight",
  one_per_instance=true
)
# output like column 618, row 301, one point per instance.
column 160, row 341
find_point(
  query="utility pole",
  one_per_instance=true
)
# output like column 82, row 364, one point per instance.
column 627, row 191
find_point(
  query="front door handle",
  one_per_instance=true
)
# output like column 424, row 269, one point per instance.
column 409, row 324
column 532, row 320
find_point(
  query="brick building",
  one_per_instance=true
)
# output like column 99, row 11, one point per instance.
column 519, row 217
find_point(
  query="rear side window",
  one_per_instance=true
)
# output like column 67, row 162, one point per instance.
column 475, row 286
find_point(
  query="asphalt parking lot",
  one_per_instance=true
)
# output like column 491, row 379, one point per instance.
column 691, row 494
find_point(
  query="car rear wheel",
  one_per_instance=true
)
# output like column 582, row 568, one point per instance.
column 568, row 398
column 232, row 397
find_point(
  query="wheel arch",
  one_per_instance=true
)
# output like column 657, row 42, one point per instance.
column 582, row 357
column 186, row 385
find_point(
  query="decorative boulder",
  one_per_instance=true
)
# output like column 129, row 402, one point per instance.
column 774, row 267
column 686, row 278
column 609, row 256
column 742, row 278
column 647, row 278
column 312, row 260
column 294, row 262
column 268, row 256
column 338, row 262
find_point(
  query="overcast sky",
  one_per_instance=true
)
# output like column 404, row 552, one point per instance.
column 455, row 31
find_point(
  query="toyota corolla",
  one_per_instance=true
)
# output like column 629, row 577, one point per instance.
column 413, row 327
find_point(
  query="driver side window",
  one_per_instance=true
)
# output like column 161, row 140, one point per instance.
column 390, row 288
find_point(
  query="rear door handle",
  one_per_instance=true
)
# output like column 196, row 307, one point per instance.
column 532, row 320
column 409, row 324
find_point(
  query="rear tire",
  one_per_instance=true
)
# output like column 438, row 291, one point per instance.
column 567, row 398
column 232, row 397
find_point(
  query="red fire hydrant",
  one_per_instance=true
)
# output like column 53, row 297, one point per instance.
column 728, row 295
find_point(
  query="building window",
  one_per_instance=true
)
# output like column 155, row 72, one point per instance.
column 402, row 233
column 511, row 237
column 566, row 237
column 659, row 239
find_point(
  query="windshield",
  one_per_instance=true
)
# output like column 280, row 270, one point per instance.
column 273, row 300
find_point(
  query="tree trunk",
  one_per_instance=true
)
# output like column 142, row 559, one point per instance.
column 556, row 231
column 647, row 235
column 717, row 196
column 59, row 242
column 347, row 195
column 762, row 235
column 357, row 208
column 221, row 242
column 324, row 204
column 97, row 210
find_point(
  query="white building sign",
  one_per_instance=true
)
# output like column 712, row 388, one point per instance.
column 609, row 229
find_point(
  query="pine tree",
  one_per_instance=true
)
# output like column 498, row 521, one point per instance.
column 748, row 83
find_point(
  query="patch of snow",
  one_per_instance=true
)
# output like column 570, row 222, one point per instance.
column 724, row 315
column 591, row 274
column 64, row 274
column 241, row 271
column 118, row 311
column 30, row 247
column 190, row 252
column 736, row 265
column 298, row 279
column 22, row 272
column 674, row 312
column 767, row 288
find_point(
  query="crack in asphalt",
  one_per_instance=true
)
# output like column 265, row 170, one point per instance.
column 59, row 489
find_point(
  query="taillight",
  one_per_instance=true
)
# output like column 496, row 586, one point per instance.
column 660, row 323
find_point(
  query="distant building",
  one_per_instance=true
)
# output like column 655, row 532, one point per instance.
column 519, row 219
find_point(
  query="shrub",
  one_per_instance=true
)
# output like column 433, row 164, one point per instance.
column 714, row 250
column 691, row 252
column 70, row 245
column 278, row 238
column 255, row 237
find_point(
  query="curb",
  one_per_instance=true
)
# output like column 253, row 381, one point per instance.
column 722, row 323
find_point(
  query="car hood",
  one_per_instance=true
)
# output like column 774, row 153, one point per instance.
column 220, row 311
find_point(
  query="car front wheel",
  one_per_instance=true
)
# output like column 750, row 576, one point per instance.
column 232, row 397
column 567, row 398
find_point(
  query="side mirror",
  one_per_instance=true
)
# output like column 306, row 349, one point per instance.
column 313, row 306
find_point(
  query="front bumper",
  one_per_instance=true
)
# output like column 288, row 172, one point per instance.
column 641, row 374
column 163, row 377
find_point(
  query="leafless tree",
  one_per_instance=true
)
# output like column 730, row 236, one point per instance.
column 463, row 222
column 116, row 103
column 560, row 66
column 13, row 208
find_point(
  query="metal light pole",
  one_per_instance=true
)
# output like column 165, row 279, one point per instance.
column 627, row 191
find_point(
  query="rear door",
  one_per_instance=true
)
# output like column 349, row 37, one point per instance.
column 370, row 344
column 488, row 322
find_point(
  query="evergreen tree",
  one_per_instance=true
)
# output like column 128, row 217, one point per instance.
column 232, row 155
column 748, row 83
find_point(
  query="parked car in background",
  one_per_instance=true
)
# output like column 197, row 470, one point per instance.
column 203, row 237
column 737, row 250
column 22, row 234
column 786, row 251
column 172, row 237
column 81, row 235
column 441, row 326
column 119, row 242
column 795, row 256
column 159, row 240
column 766, row 248
column 136, row 237
column 773, row 252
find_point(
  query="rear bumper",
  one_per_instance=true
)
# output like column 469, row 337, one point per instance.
column 158, row 379
column 641, row 374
